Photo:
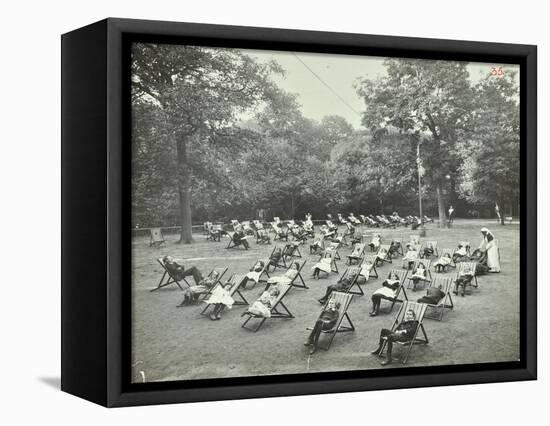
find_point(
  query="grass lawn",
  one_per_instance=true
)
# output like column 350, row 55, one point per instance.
column 170, row 343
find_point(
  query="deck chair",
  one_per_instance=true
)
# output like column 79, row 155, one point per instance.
column 405, row 262
column 206, row 227
column 354, row 284
column 280, row 232
column 461, row 266
column 236, row 282
column 332, row 254
column 373, row 272
column 386, row 258
column 167, row 278
column 427, row 244
column 446, row 284
column 232, row 243
column 413, row 239
column 427, row 263
column 298, row 276
column 419, row 311
column 333, row 246
column 290, row 251
column 344, row 300
column 320, row 241
column 401, row 290
column 449, row 252
column 356, row 254
column 213, row 233
column 260, row 274
column 467, row 245
column 156, row 238
column 278, row 310
column 397, row 242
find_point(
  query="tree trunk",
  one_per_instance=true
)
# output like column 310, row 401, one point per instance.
column 184, row 191
column 441, row 206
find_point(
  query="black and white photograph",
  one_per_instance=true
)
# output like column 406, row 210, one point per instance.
column 296, row 212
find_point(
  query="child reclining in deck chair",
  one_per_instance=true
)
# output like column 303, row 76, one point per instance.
column 444, row 261
column 239, row 238
column 263, row 237
column 420, row 274
column 461, row 253
column 324, row 265
column 464, row 278
column 480, row 258
column 256, row 271
column 387, row 291
column 395, row 246
column 178, row 272
column 221, row 299
column 275, row 258
column 326, row 321
column 410, row 257
column 317, row 245
column 403, row 333
column 428, row 251
column 343, row 285
column 381, row 256
column 366, row 267
column 287, row 277
column 262, row 306
column 375, row 242
column 433, row 295
column 191, row 294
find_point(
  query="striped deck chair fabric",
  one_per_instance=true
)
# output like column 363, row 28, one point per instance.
column 429, row 244
column 402, row 275
column 356, row 254
column 427, row 264
column 354, row 287
column 419, row 310
column 344, row 300
column 373, row 273
column 465, row 266
column 444, row 264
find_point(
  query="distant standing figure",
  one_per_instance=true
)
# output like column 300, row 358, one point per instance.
column 451, row 214
column 497, row 211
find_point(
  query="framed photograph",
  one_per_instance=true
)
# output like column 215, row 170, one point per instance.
column 254, row 212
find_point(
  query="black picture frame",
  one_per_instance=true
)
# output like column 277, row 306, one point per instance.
column 96, row 210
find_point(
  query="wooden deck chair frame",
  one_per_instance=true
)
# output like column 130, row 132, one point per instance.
column 334, row 246
column 350, row 290
column 402, row 277
column 443, row 252
column 419, row 310
column 156, row 237
column 400, row 241
column 473, row 266
column 278, row 310
column 417, row 257
column 221, row 272
column 321, row 241
column 344, row 299
column 293, row 255
column 284, row 231
column 446, row 284
column 281, row 263
column 357, row 258
column 373, row 269
column 298, row 275
column 236, row 282
column 169, row 278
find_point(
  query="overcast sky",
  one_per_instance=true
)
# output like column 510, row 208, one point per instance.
column 324, row 83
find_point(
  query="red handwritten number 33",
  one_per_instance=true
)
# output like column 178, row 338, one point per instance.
column 497, row 71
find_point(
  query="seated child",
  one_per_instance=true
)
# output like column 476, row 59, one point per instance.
column 461, row 253
column 287, row 277
column 275, row 258
column 356, row 253
column 317, row 245
column 444, row 261
column 256, row 271
column 366, row 267
column 388, row 290
column 419, row 274
column 240, row 238
column 324, row 264
column 326, row 321
column 410, row 257
column 178, row 272
column 428, row 251
column 464, row 278
column 433, row 296
column 375, row 242
column 263, row 237
column 480, row 258
column 343, row 284
column 191, row 294
column 221, row 299
column 395, row 246
column 262, row 306
column 381, row 256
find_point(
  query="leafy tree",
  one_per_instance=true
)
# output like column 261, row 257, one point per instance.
column 492, row 152
column 425, row 98
column 200, row 92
